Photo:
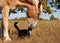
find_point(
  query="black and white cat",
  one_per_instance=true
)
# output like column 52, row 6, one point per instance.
column 24, row 32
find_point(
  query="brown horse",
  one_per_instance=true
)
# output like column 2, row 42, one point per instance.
column 8, row 5
column 36, row 3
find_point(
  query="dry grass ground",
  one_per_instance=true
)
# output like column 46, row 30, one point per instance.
column 44, row 32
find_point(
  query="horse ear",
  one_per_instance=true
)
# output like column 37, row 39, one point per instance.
column 41, row 8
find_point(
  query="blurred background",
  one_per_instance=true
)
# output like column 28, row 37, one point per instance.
column 51, row 9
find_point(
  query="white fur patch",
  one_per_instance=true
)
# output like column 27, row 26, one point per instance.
column 30, row 32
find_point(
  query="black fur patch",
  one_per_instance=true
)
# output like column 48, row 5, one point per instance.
column 24, row 32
